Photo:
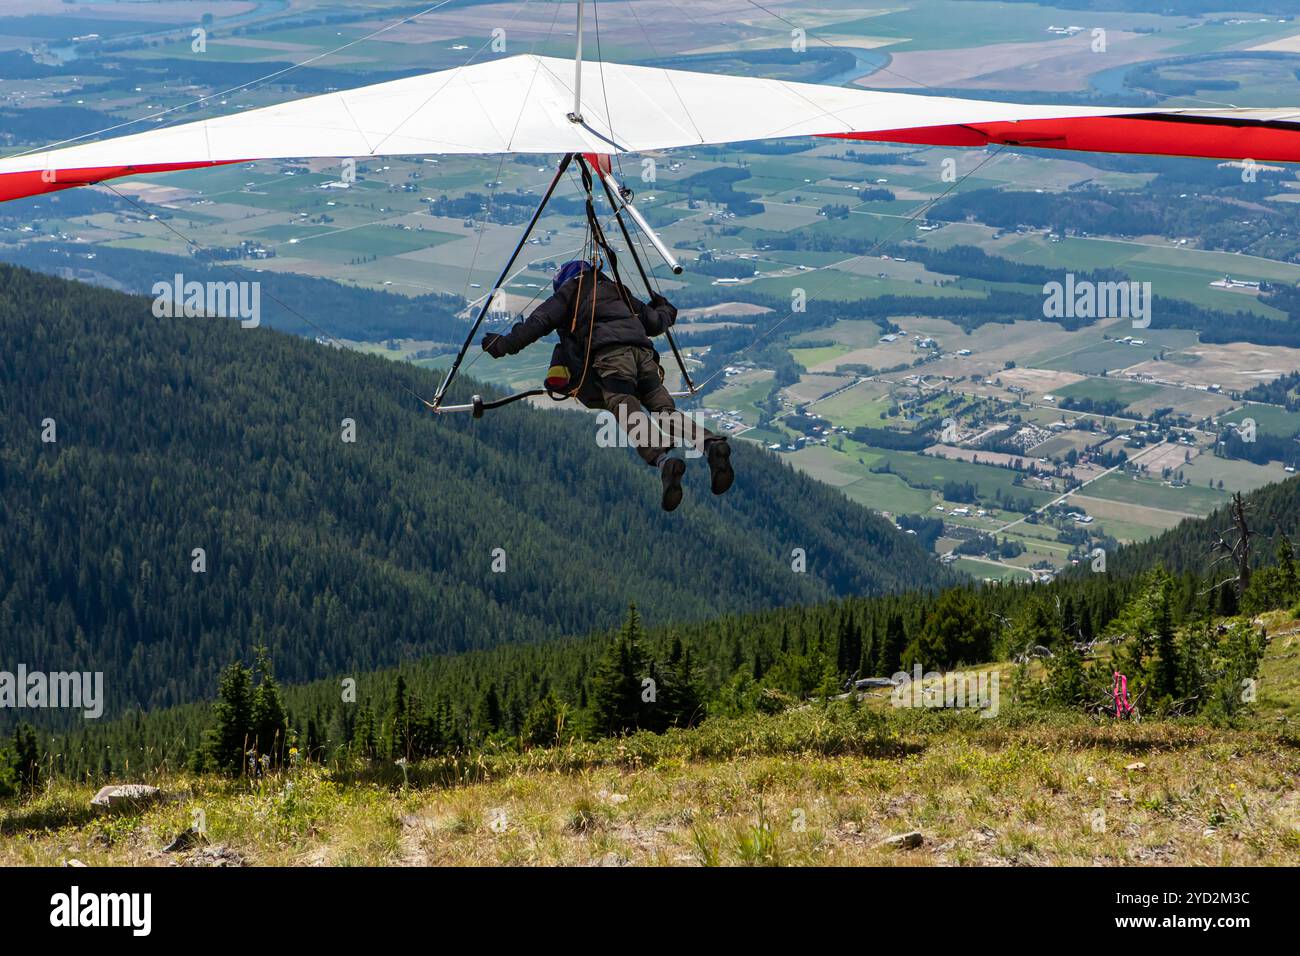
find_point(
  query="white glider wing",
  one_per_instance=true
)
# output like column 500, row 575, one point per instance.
column 522, row 104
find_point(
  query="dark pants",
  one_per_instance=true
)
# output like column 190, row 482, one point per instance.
column 630, row 379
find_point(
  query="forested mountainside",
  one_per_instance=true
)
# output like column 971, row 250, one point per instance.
column 734, row 665
column 172, row 435
column 1271, row 512
column 346, row 559
column 303, row 305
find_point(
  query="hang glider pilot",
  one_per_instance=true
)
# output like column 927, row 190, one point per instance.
column 605, row 349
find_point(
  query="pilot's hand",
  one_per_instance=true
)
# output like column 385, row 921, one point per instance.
column 495, row 345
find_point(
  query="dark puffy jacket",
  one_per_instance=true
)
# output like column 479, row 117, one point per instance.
column 614, row 323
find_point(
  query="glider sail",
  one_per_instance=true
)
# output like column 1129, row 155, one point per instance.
column 525, row 104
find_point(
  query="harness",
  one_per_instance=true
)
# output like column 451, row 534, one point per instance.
column 566, row 368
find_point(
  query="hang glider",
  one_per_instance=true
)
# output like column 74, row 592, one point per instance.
column 528, row 104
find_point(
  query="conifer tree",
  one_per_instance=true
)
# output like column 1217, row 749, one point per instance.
column 449, row 732
column 891, row 648
column 227, row 742
column 960, row 630
column 399, row 723
column 848, row 649
column 9, row 785
column 268, row 723
column 616, row 685
column 1286, row 571
column 365, row 741
column 487, row 715
column 1166, row 682
column 26, row 759
column 684, row 706
column 544, row 723
column 1066, row 680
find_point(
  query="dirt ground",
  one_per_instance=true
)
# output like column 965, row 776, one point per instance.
column 1235, row 366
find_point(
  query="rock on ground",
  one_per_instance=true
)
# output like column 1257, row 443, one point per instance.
column 128, row 795
column 905, row 841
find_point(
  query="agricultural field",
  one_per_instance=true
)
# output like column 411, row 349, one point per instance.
column 1170, row 480
column 1108, row 389
column 1269, row 419
column 417, row 225
column 1189, row 501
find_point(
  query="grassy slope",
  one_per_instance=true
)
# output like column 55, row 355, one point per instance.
column 805, row 787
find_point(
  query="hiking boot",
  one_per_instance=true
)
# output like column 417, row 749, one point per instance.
column 671, row 472
column 719, row 454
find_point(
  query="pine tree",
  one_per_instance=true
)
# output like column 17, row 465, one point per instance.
column 1068, row 618
column 365, row 741
column 425, row 739
column 399, row 723
column 681, row 700
column 269, row 724
column 1066, row 681
column 1036, row 624
column 225, row 747
column 314, row 747
column 487, row 715
column 848, row 646
column 341, row 731
column 26, row 758
column 1288, row 584
column 1086, row 632
column 616, row 684
column 1162, row 625
column 448, row 730
column 1228, row 603
column 544, row 723
column 891, row 648
column 959, row 631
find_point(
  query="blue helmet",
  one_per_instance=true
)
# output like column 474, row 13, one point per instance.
column 568, row 271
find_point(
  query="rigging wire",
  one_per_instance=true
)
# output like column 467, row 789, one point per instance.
column 875, row 246
column 821, row 39
column 600, row 62
column 456, row 72
column 501, row 164
column 597, row 249
column 618, row 158
column 587, row 241
column 901, row 76
column 257, row 82
column 524, row 268
column 194, row 244
column 242, row 86
column 280, row 302
column 631, row 8
column 609, row 118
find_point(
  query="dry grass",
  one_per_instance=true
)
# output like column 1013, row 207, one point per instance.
column 1000, row 792
column 812, row 786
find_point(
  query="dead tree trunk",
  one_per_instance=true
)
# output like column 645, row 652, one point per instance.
column 1236, row 551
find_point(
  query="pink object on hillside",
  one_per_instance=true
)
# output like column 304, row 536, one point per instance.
column 1119, row 690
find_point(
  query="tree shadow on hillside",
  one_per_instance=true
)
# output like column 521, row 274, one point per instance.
column 28, row 819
